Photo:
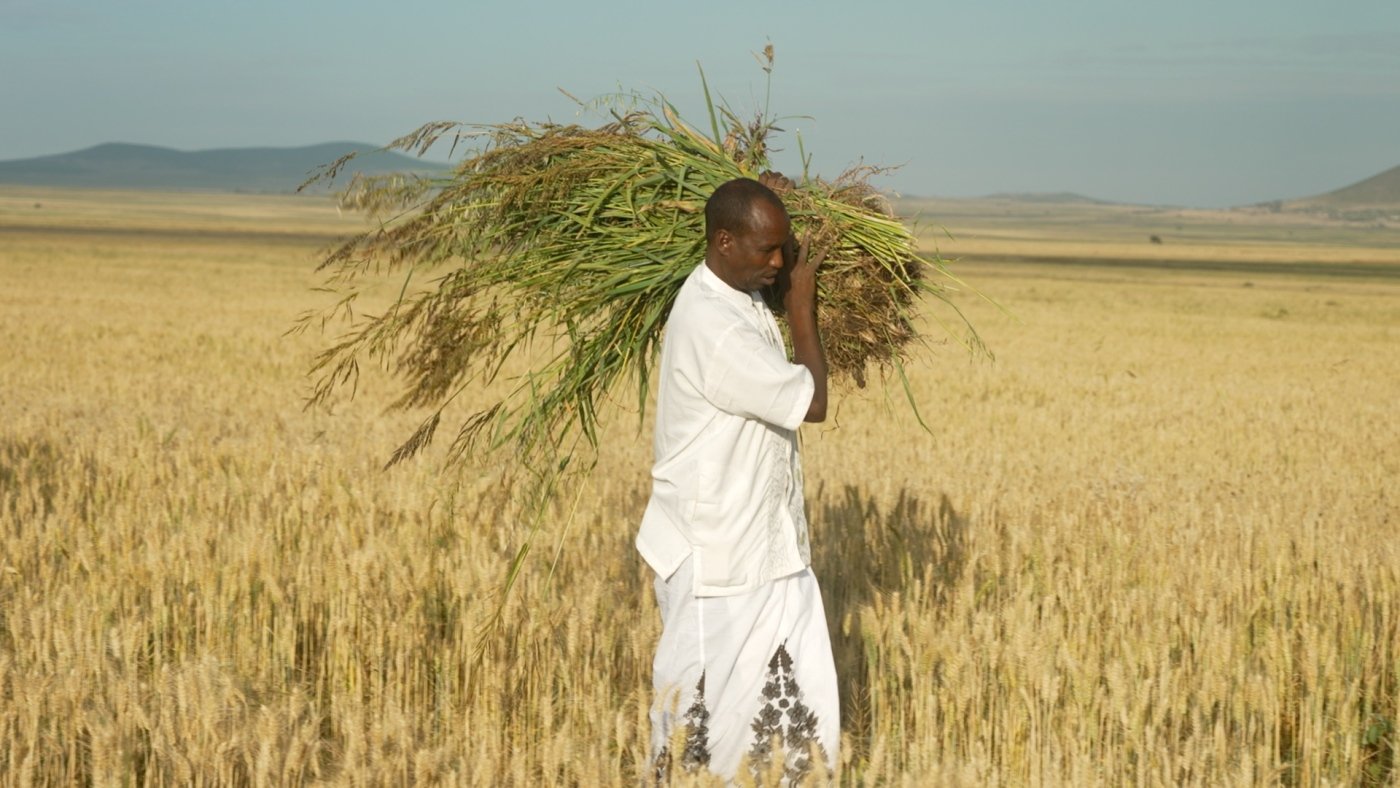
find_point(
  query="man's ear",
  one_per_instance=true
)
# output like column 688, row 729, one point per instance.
column 724, row 241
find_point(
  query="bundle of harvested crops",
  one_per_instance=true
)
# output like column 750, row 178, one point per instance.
column 573, row 242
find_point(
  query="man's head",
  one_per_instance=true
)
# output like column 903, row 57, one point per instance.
column 746, row 230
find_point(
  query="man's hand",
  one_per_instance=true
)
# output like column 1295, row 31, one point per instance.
column 797, row 282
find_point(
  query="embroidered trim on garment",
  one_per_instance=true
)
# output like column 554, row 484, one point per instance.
column 797, row 507
column 786, row 721
column 777, row 496
column 696, row 753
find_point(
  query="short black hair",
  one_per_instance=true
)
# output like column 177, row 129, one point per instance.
column 731, row 206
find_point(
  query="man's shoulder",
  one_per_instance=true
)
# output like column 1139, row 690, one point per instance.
column 700, row 304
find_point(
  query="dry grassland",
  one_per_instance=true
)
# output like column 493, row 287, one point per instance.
column 1152, row 544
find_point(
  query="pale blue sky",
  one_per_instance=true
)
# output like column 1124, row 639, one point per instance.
column 1190, row 102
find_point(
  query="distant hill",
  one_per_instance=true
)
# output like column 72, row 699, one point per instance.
column 1377, row 191
column 117, row 165
column 1047, row 197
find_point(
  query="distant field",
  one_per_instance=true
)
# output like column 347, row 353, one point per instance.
column 71, row 211
column 1152, row 543
column 1187, row 239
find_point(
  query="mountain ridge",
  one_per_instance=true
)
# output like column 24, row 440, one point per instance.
column 1381, row 189
column 127, row 165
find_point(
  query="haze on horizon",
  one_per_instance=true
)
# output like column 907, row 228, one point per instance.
column 1195, row 103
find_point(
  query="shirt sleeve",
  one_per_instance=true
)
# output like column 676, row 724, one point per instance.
column 748, row 377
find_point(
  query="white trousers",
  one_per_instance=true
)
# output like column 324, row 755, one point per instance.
column 736, row 675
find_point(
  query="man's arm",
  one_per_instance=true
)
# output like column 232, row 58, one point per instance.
column 798, row 285
column 800, row 303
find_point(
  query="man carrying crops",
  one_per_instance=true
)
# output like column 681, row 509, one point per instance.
column 744, row 660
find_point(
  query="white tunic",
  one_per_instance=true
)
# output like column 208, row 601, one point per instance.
column 727, row 481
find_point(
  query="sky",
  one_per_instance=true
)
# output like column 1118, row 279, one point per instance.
column 1198, row 103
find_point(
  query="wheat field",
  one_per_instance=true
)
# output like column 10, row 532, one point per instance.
column 1152, row 543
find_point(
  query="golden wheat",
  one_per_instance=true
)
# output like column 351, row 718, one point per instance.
column 1152, row 544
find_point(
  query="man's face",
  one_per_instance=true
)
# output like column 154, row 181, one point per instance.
column 755, row 254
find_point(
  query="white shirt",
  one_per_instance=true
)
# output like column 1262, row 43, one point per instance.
column 727, row 483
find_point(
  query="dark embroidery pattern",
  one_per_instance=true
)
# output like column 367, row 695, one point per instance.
column 696, row 754
column 786, row 720
column 697, row 735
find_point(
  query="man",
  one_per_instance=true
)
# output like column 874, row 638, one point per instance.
column 744, row 659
